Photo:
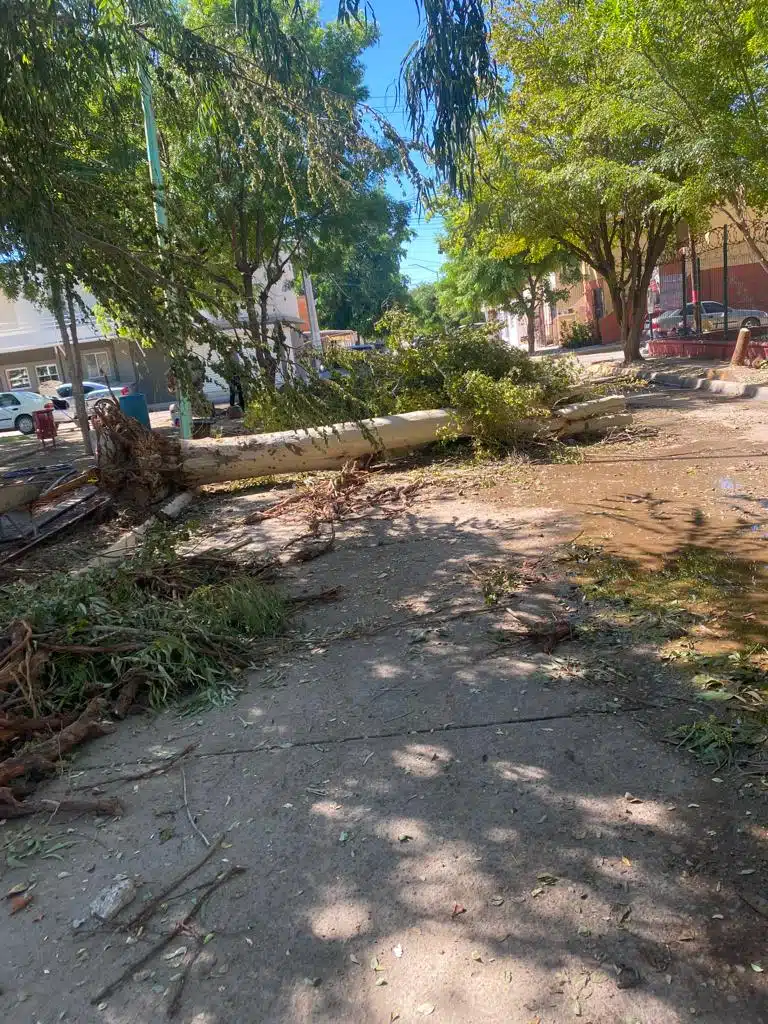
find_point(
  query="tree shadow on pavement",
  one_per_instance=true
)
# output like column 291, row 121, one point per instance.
column 442, row 823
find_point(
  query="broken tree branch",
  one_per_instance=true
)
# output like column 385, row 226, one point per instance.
column 190, row 816
column 149, row 908
column 10, row 807
column 161, row 943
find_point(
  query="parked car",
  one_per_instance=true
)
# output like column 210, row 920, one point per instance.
column 65, row 390
column 93, row 392
column 16, row 408
column 712, row 317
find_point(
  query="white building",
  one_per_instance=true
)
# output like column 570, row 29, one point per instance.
column 31, row 352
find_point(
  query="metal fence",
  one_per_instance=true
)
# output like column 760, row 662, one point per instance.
column 718, row 285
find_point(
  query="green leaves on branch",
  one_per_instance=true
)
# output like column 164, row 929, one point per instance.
column 466, row 368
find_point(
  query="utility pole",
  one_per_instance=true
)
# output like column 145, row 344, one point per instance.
column 161, row 214
column 314, row 327
column 725, row 282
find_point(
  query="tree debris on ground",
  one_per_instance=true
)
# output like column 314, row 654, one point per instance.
column 78, row 649
column 350, row 494
column 186, row 925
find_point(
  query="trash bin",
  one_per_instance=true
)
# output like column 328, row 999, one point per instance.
column 136, row 406
column 45, row 425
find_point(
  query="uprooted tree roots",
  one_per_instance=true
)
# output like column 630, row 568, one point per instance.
column 134, row 461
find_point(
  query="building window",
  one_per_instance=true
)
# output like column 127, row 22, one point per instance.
column 18, row 378
column 96, row 365
column 46, row 372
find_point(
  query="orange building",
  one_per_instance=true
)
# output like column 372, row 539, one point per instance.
column 590, row 300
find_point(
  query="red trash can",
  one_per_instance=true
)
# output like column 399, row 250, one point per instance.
column 46, row 427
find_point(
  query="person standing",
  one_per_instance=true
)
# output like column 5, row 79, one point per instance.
column 235, row 383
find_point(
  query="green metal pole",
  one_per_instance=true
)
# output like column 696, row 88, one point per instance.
column 161, row 214
column 725, row 282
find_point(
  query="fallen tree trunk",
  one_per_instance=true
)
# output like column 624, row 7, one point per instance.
column 594, row 407
column 595, row 425
column 144, row 468
column 293, row 451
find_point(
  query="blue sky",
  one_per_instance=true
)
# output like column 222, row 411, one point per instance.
column 399, row 26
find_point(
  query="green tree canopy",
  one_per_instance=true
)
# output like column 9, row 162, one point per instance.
column 71, row 144
column 356, row 273
column 706, row 65
column 580, row 155
column 484, row 270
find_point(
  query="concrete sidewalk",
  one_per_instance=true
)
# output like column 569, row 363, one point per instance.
column 435, row 825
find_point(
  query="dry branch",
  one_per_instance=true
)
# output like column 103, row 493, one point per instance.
column 43, row 759
column 161, row 943
column 150, row 907
column 10, row 807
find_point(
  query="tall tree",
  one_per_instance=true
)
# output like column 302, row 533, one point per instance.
column 579, row 157
column 486, row 269
column 356, row 270
column 259, row 186
column 715, row 91
column 76, row 197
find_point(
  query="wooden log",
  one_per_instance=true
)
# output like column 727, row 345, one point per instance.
column 742, row 344
column 594, row 407
column 595, row 425
column 209, row 461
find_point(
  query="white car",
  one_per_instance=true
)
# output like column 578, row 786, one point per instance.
column 92, row 393
column 16, row 408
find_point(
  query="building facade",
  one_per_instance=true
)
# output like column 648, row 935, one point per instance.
column 724, row 261
column 32, row 355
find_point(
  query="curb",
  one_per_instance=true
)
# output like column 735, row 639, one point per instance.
column 713, row 387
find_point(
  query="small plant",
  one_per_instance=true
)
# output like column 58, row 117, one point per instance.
column 578, row 334
column 710, row 741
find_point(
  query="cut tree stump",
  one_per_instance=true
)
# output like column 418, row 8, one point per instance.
column 742, row 344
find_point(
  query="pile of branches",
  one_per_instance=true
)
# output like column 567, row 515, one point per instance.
column 134, row 462
column 346, row 496
column 81, row 648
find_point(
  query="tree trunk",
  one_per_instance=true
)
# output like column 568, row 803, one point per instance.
column 291, row 451
column 77, row 373
column 255, row 329
column 57, row 308
column 626, row 306
column 266, row 341
column 531, row 317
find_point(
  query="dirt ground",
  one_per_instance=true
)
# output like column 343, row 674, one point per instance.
column 434, row 824
column 697, row 472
